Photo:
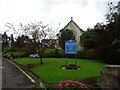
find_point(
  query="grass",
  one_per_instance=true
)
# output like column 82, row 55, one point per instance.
column 50, row 71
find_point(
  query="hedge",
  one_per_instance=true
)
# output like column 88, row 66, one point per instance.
column 60, row 53
column 15, row 54
column 57, row 53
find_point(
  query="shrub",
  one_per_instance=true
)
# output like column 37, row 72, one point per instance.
column 8, row 55
column 94, row 82
column 15, row 54
column 61, row 53
column 18, row 54
column 87, row 54
column 48, row 53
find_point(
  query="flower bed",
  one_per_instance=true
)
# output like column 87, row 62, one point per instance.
column 68, row 84
column 70, row 66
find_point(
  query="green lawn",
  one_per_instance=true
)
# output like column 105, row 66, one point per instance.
column 50, row 71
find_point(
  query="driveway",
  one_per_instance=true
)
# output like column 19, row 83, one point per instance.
column 12, row 77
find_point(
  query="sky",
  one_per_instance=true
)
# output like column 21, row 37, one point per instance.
column 56, row 13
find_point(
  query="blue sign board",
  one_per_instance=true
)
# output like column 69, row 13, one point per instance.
column 70, row 47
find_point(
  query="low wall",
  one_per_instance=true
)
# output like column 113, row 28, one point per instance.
column 111, row 77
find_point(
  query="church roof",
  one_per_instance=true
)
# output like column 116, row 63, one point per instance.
column 72, row 21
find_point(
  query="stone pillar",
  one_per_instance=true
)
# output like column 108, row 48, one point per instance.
column 111, row 77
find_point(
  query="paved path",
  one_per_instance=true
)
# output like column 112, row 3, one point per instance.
column 12, row 77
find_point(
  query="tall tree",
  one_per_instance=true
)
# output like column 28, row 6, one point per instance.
column 108, row 39
column 12, row 41
column 88, row 39
column 65, row 35
column 5, row 40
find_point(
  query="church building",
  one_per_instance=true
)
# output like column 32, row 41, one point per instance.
column 77, row 31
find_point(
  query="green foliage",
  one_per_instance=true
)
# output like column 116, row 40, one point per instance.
column 49, row 53
column 60, row 53
column 10, row 55
column 86, row 54
column 87, row 39
column 99, row 82
column 94, row 82
column 5, row 42
column 18, row 54
column 54, row 53
column 105, row 39
column 65, row 35
column 108, row 39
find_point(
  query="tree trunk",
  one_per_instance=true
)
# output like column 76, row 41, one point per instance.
column 41, row 60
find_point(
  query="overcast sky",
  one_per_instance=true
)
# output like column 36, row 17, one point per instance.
column 56, row 13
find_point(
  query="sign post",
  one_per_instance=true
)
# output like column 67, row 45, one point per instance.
column 70, row 48
column 75, row 59
column 66, row 60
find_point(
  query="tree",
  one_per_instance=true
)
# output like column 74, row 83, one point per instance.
column 88, row 39
column 12, row 40
column 5, row 40
column 28, row 37
column 16, row 31
column 108, row 38
column 22, row 43
column 65, row 35
column 37, row 32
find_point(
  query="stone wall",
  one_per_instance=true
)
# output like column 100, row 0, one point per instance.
column 111, row 77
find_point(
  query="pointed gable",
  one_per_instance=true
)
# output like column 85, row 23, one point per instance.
column 72, row 25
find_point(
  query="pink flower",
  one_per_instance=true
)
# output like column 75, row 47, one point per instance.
column 64, row 81
column 81, row 86
column 77, row 82
column 59, row 85
column 73, row 84
column 60, row 82
column 69, row 81
column 66, row 84
column 86, row 87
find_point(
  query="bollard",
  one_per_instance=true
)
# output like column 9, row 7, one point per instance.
column 111, row 77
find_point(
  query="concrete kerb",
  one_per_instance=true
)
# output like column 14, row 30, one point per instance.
column 32, row 80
